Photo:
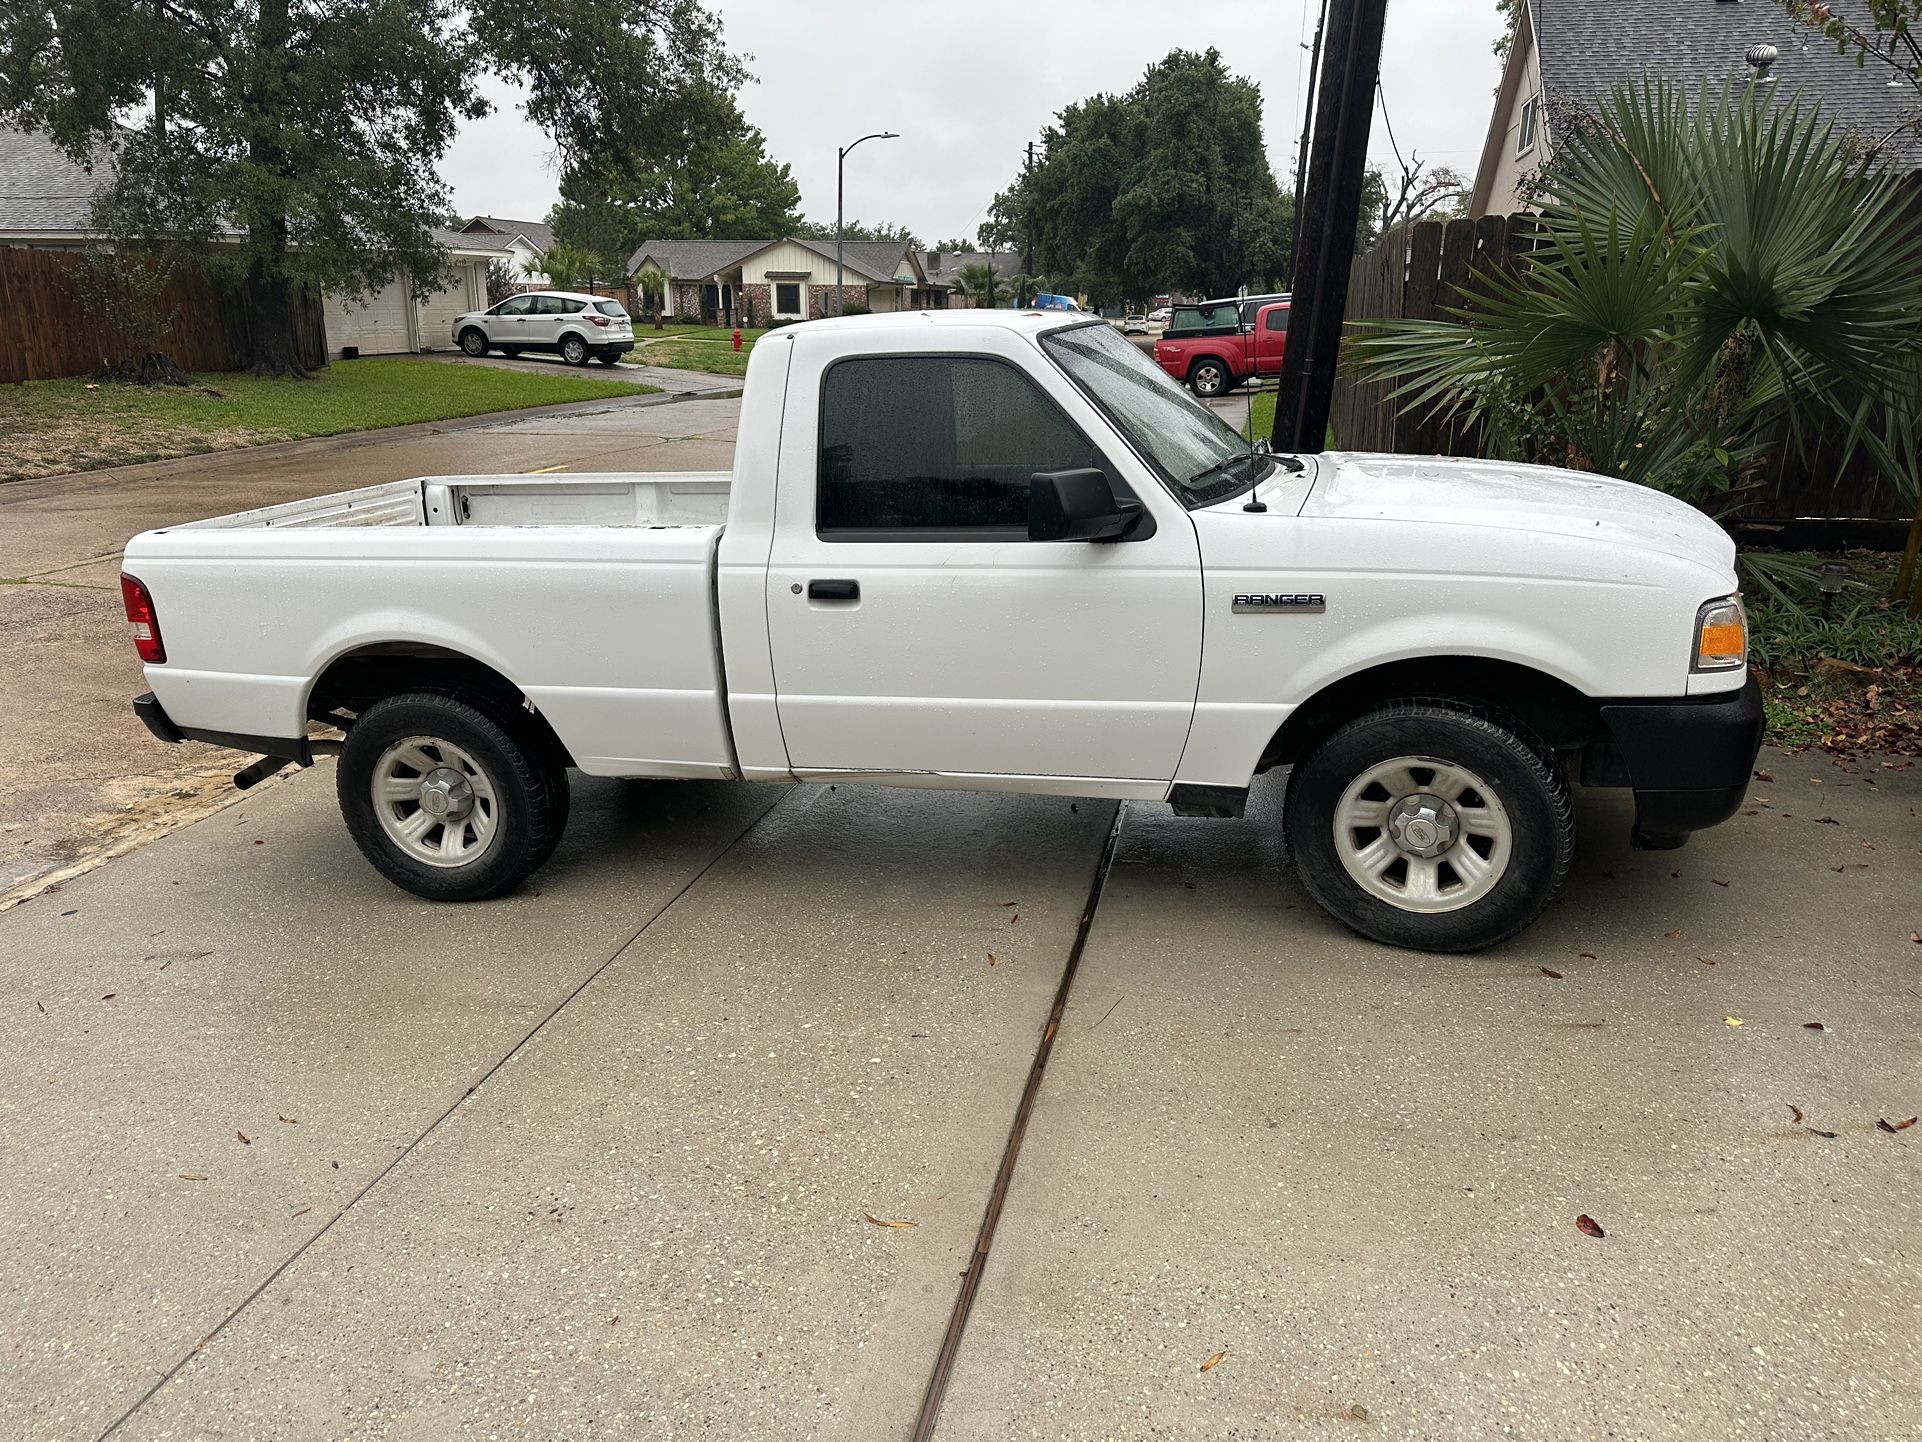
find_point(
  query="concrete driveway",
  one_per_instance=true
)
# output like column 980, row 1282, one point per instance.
column 79, row 777
column 695, row 1135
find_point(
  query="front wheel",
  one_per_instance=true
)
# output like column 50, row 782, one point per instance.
column 474, row 342
column 448, row 800
column 574, row 351
column 1208, row 378
column 1429, row 826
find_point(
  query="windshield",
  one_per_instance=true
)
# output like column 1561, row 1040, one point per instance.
column 610, row 307
column 1198, row 453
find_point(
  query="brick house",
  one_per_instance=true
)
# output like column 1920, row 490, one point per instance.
column 753, row 282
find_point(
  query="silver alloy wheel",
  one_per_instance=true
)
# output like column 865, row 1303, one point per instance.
column 473, row 342
column 574, row 351
column 435, row 801
column 1423, row 835
column 1208, row 380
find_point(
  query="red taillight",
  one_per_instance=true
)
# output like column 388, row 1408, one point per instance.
column 140, row 615
column 599, row 320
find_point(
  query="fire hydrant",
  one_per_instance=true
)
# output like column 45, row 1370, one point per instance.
column 737, row 340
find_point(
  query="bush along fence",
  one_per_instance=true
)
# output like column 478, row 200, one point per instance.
column 67, row 313
column 1424, row 271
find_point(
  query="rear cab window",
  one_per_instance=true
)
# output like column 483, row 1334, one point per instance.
column 610, row 307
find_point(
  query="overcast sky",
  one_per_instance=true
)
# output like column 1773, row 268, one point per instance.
column 969, row 84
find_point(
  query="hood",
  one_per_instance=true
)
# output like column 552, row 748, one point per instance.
column 1503, row 495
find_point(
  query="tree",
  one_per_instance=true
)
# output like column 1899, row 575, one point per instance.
column 980, row 283
column 713, row 180
column 500, row 281
column 857, row 230
column 1167, row 187
column 1708, row 276
column 959, row 245
column 568, row 267
column 1511, row 13
column 299, row 140
column 652, row 284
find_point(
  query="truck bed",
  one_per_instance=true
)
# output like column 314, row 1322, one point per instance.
column 689, row 498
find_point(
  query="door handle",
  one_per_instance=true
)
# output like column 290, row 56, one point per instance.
column 834, row 590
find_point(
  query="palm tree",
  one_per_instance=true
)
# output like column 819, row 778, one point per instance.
column 652, row 285
column 979, row 282
column 567, row 266
column 1709, row 275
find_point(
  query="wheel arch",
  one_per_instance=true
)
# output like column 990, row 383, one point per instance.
column 356, row 678
column 1556, row 713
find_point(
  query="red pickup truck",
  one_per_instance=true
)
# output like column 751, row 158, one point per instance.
column 1211, row 362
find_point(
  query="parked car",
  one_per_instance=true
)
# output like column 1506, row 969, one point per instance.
column 1217, row 360
column 985, row 550
column 577, row 327
column 1134, row 325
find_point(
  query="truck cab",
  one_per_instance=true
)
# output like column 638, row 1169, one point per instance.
column 985, row 550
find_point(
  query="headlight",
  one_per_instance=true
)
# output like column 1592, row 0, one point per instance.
column 1721, row 636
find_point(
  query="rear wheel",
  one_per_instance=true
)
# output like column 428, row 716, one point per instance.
column 1208, row 378
column 1430, row 826
column 450, row 797
column 609, row 358
column 473, row 340
column 574, row 350
column 510, row 351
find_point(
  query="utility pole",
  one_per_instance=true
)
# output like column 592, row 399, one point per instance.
column 1301, row 154
column 1027, row 217
column 1331, row 207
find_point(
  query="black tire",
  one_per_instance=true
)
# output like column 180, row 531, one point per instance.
column 510, row 351
column 609, row 358
column 528, row 783
column 473, row 340
column 1208, row 378
column 1527, row 785
column 574, row 350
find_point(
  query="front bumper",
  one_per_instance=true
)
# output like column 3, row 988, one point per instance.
column 1689, row 760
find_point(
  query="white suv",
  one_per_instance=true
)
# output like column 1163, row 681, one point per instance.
column 578, row 326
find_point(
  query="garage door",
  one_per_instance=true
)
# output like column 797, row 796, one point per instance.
column 378, row 324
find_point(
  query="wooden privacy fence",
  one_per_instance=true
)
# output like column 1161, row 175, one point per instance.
column 1419, row 272
column 45, row 332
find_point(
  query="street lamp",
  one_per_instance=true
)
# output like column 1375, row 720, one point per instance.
column 840, row 166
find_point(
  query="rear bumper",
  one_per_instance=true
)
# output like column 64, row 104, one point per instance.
column 1689, row 760
column 154, row 716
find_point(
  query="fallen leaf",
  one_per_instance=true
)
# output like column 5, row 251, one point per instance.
column 110, row 996
column 1838, row 868
column 260, row 843
column 1358, row 1412
column 245, row 1140
column 1706, row 960
column 1893, row 1127
column 193, row 1176
column 1763, row 776
column 1010, row 903
column 1675, row 935
column 301, row 1213
column 1820, row 1133
column 1013, row 919
column 1555, row 975
column 895, row 1222
column 291, row 1121
column 74, row 912
column 1916, row 937
column 1719, row 883
column 1588, row 1226
column 991, row 960
column 1826, row 821
column 1586, row 955
column 1731, row 1021
column 42, row 1006
column 1795, row 1112
column 1213, row 1362
column 1813, row 1026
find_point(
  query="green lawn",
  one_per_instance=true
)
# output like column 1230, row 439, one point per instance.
column 51, row 427
column 714, row 357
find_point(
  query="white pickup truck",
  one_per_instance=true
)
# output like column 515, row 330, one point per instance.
column 990, row 551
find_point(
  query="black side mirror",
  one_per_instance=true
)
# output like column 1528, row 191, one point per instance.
column 1078, row 505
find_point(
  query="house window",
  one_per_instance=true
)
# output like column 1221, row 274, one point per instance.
column 787, row 297
column 943, row 446
column 1531, row 122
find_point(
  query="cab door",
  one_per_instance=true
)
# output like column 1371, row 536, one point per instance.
column 1270, row 339
column 917, row 634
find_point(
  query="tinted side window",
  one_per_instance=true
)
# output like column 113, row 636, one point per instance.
column 558, row 305
column 516, row 305
column 936, row 443
column 1278, row 319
